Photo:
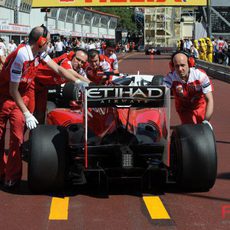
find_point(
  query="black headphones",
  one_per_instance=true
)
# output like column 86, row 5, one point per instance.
column 191, row 59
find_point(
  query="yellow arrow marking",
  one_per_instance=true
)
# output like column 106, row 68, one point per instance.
column 59, row 208
column 155, row 207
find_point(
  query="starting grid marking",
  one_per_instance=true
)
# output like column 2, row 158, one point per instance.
column 60, row 206
column 156, row 208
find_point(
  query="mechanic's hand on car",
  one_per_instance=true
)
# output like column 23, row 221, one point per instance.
column 207, row 123
column 31, row 121
column 81, row 84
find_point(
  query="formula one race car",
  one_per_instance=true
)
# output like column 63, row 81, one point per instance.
column 120, row 130
column 152, row 51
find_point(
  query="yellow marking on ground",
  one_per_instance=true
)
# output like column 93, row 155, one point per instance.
column 59, row 208
column 155, row 208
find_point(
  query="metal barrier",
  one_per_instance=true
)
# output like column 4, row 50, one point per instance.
column 214, row 70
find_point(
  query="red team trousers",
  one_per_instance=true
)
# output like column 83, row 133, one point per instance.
column 12, row 169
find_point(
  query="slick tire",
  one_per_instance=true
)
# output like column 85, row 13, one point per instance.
column 47, row 163
column 195, row 158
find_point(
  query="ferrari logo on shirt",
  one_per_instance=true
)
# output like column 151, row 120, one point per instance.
column 179, row 90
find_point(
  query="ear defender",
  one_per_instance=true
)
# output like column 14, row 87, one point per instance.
column 42, row 40
column 191, row 60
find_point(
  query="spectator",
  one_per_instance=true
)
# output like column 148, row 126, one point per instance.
column 59, row 47
column 50, row 50
column 227, row 52
column 11, row 46
column 194, row 52
column 215, row 51
column 25, row 40
column 181, row 44
column 187, row 45
column 209, row 53
column 221, row 45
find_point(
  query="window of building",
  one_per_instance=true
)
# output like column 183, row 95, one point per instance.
column 12, row 4
column 79, row 18
column 53, row 13
column 112, row 24
column 70, row 15
column 87, row 18
column 25, row 6
column 96, row 21
column 104, row 22
column 62, row 14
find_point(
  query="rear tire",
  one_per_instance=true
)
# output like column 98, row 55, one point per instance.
column 47, row 159
column 195, row 158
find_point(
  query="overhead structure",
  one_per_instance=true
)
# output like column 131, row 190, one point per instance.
column 217, row 17
column 159, row 27
column 86, row 3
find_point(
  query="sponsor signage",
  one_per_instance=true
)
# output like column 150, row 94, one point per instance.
column 125, row 96
column 12, row 28
column 84, row 3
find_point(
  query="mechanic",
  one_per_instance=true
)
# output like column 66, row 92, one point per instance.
column 110, row 53
column 73, row 62
column 19, row 71
column 2, row 53
column 98, row 65
column 191, row 88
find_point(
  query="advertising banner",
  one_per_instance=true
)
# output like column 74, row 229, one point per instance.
column 85, row 3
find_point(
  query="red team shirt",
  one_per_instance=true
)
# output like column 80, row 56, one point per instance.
column 20, row 67
column 190, row 95
column 47, row 77
column 105, row 66
column 113, row 61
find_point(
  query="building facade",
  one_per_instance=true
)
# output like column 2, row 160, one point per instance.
column 17, row 18
column 163, row 26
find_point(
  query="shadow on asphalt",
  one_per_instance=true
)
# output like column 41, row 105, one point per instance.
column 223, row 142
column 225, row 176
column 118, row 187
column 93, row 189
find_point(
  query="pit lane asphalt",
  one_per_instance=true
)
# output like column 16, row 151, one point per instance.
column 124, row 208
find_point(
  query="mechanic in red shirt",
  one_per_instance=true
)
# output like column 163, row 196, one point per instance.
column 19, row 71
column 110, row 53
column 98, row 64
column 103, row 47
column 73, row 62
column 191, row 88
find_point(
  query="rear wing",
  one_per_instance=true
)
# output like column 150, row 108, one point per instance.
column 124, row 97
